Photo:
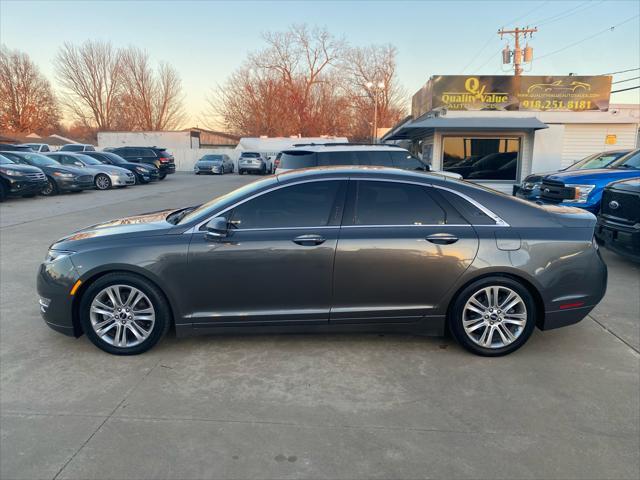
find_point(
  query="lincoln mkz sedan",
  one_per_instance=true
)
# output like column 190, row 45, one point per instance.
column 333, row 249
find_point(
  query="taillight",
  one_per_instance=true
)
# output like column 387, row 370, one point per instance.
column 165, row 159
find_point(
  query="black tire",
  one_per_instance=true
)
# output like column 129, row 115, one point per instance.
column 197, row 173
column 30, row 195
column 162, row 176
column 102, row 182
column 456, row 312
column 240, row 172
column 3, row 192
column 160, row 305
column 51, row 188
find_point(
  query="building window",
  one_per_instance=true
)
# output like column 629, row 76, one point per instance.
column 482, row 158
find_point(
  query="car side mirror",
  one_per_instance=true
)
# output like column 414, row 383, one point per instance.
column 217, row 228
column 79, row 164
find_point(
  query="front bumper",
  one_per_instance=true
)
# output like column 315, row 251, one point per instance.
column 619, row 238
column 25, row 186
column 122, row 180
column 54, row 283
column 74, row 184
column 208, row 169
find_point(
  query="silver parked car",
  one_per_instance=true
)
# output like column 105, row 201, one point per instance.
column 106, row 176
column 213, row 163
column 253, row 162
column 37, row 147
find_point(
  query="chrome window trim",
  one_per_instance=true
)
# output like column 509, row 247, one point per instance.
column 496, row 218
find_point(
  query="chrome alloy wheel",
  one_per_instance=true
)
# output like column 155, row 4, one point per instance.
column 122, row 316
column 103, row 182
column 494, row 317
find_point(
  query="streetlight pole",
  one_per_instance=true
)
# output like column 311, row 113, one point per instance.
column 375, row 89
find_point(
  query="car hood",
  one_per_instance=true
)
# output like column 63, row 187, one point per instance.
column 146, row 224
column 21, row 168
column 600, row 176
column 632, row 185
column 110, row 169
column 537, row 177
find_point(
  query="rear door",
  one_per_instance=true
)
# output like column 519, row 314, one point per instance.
column 401, row 248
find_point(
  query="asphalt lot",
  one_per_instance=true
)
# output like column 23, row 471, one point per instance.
column 567, row 405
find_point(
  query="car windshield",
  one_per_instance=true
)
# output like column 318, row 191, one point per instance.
column 211, row 158
column 88, row 160
column 4, row 160
column 599, row 160
column 115, row 158
column 631, row 160
column 227, row 198
column 37, row 159
column 250, row 154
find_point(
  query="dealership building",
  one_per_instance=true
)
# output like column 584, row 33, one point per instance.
column 496, row 130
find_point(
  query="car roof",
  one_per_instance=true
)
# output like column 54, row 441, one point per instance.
column 343, row 147
column 361, row 171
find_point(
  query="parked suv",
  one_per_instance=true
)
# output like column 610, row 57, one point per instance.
column 253, row 162
column 583, row 188
column 142, row 173
column 530, row 187
column 60, row 178
column 77, row 147
column 619, row 219
column 345, row 154
column 107, row 176
column 158, row 157
column 37, row 147
column 19, row 180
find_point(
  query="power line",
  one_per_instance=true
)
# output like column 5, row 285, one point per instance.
column 625, row 89
column 577, row 11
column 542, row 21
column 621, row 71
column 492, row 37
column 625, row 80
column 588, row 38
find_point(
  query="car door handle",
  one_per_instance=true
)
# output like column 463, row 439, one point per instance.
column 442, row 238
column 309, row 240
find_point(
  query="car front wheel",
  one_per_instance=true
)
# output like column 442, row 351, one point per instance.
column 124, row 314
column 50, row 189
column 493, row 316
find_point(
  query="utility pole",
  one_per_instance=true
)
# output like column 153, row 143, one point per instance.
column 375, row 89
column 517, row 53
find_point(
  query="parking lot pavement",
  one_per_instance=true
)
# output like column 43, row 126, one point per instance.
column 567, row 405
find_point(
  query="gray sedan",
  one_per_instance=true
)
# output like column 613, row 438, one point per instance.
column 333, row 249
column 107, row 176
column 214, row 163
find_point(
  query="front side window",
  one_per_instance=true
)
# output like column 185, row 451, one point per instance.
column 311, row 204
column 482, row 158
column 392, row 203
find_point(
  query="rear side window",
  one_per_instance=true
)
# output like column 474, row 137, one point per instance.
column 347, row 157
column 376, row 158
column 311, row 204
column 391, row 203
column 298, row 159
column 405, row 161
column 470, row 212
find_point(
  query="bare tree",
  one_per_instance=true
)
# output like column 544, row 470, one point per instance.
column 91, row 78
column 372, row 83
column 150, row 100
column 307, row 82
column 27, row 103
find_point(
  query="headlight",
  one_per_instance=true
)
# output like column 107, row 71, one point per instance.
column 142, row 170
column 56, row 254
column 531, row 185
column 12, row 173
column 581, row 193
column 63, row 175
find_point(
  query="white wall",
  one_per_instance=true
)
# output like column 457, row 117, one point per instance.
column 581, row 140
column 169, row 140
column 547, row 150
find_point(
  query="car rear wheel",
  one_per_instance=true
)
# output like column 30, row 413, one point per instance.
column 162, row 176
column 124, row 314
column 50, row 189
column 102, row 182
column 493, row 316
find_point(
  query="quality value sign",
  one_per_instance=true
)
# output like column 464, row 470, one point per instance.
column 502, row 92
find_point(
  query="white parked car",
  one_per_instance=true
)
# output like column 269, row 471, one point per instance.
column 37, row 147
column 345, row 154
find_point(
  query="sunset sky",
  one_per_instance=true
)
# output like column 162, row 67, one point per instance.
column 205, row 41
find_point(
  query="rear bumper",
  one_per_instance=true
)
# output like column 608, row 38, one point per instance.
column 563, row 318
column 167, row 168
column 250, row 167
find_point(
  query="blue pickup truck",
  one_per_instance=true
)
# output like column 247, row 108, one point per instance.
column 583, row 188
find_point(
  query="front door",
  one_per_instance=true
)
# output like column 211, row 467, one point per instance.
column 401, row 248
column 276, row 264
